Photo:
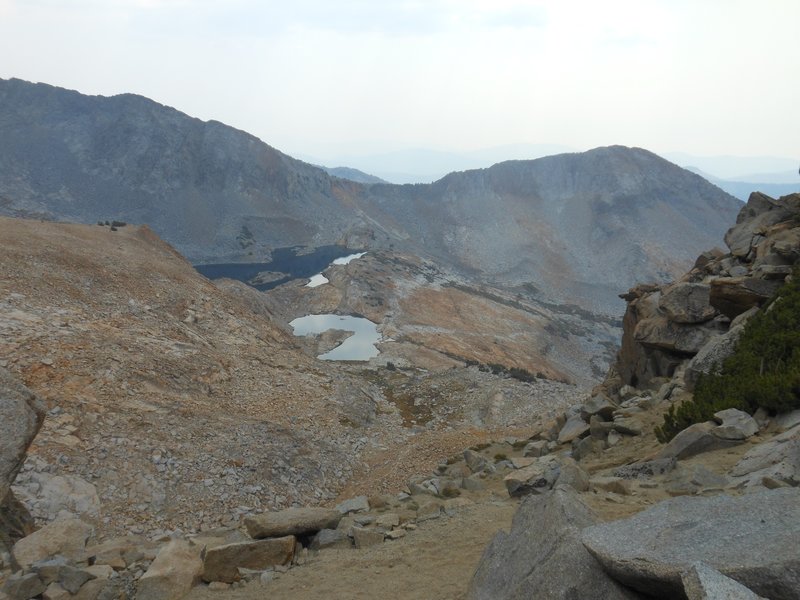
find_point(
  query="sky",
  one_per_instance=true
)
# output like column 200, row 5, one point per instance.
column 335, row 78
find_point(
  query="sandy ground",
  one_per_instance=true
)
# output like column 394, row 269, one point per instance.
column 434, row 562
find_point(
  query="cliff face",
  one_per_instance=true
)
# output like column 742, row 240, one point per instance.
column 689, row 326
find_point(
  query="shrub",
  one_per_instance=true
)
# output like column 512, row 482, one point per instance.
column 763, row 371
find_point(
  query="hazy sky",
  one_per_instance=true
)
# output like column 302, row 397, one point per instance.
column 321, row 78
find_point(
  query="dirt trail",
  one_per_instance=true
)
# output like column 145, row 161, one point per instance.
column 434, row 562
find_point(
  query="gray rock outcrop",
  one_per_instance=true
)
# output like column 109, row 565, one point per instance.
column 536, row 478
column 699, row 317
column 687, row 303
column 21, row 417
column 775, row 462
column 701, row 582
column 754, row 539
column 695, row 439
column 542, row 556
column 292, row 521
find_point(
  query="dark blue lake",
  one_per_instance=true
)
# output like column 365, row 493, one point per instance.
column 284, row 260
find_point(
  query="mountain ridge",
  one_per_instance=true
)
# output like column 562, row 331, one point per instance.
column 222, row 195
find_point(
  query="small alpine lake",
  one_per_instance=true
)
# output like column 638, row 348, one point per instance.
column 360, row 346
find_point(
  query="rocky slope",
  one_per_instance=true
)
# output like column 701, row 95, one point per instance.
column 438, row 319
column 597, row 493
column 173, row 402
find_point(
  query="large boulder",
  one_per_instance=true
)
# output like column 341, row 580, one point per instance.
column 711, row 356
column 542, row 556
column 734, row 424
column 66, row 537
column 777, row 460
column 733, row 296
column 680, row 338
column 176, row 568
column 599, row 405
column 574, row 428
column 21, row 417
column 538, row 477
column 292, row 521
column 754, row 539
column 687, row 303
column 223, row 562
column 760, row 212
column 695, row 439
column 16, row 522
column 49, row 495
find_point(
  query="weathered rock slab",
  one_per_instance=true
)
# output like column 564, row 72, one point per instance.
column 535, row 478
column 734, row 425
column 788, row 420
column 687, row 303
column 21, row 586
column 292, row 521
column 223, row 562
column 364, row 538
column 778, row 459
column 642, row 470
column 357, row 504
column 599, row 405
column 661, row 333
column 542, row 556
column 754, row 539
column 695, row 439
column 712, row 354
column 66, row 537
column 330, row 538
column 575, row 427
column 733, row 296
column 21, row 417
column 176, row 568
column 701, row 582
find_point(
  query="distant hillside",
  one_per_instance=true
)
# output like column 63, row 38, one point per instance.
column 575, row 228
column 211, row 190
column 353, row 175
column 742, row 189
column 578, row 227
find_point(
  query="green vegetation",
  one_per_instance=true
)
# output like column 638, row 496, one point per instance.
column 763, row 372
column 497, row 369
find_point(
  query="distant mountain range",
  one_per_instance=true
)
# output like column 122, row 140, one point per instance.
column 353, row 175
column 575, row 228
column 742, row 188
column 425, row 165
